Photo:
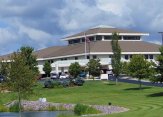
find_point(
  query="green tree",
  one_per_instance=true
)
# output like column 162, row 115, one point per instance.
column 74, row 69
column 160, row 66
column 116, row 59
column 29, row 58
column 21, row 78
column 140, row 68
column 47, row 68
column 94, row 67
column 4, row 66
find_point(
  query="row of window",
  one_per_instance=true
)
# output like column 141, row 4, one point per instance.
column 127, row 57
column 99, row 37
column 146, row 56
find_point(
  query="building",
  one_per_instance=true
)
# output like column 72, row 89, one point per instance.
column 99, row 46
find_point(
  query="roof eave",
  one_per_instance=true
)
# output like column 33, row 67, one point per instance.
column 121, row 34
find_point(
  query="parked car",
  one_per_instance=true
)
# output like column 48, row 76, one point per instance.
column 110, row 73
column 63, row 76
column 2, row 78
column 83, row 75
column 54, row 76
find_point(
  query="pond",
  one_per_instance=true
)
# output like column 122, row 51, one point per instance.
column 35, row 114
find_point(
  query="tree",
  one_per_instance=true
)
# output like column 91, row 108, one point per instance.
column 29, row 58
column 94, row 67
column 74, row 69
column 139, row 68
column 116, row 59
column 4, row 66
column 21, row 78
column 160, row 66
column 47, row 68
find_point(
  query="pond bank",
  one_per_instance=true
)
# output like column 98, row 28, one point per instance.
column 40, row 106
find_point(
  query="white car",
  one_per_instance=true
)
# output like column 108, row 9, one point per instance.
column 63, row 76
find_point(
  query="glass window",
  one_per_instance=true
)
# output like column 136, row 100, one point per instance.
column 150, row 56
column 88, row 57
column 98, row 37
column 107, row 37
column 126, row 57
column 94, row 56
column 130, row 56
column 76, row 58
column 91, row 38
column 146, row 56
column 110, row 56
column 131, row 37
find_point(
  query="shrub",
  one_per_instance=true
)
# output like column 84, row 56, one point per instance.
column 15, row 107
column 65, row 83
column 79, row 82
column 51, row 108
column 81, row 109
column 3, row 108
column 48, row 84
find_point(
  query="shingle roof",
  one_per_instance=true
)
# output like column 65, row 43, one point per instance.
column 102, row 30
column 98, row 46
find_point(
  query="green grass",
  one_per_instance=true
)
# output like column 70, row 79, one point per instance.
column 147, row 102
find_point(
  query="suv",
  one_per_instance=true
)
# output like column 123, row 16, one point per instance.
column 54, row 76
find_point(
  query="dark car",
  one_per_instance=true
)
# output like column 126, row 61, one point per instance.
column 2, row 78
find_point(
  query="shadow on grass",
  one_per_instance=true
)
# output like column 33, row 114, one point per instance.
column 156, row 94
column 128, row 89
column 110, row 84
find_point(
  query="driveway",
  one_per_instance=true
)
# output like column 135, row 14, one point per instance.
column 135, row 81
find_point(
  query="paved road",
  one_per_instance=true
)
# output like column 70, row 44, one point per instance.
column 135, row 81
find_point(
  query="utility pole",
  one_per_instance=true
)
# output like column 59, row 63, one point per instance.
column 162, row 36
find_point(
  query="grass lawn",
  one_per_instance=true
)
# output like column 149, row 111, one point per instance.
column 147, row 102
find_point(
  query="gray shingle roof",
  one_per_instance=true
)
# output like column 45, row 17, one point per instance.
column 98, row 46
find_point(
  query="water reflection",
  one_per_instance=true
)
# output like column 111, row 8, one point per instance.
column 35, row 114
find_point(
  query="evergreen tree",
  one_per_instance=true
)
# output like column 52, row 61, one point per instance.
column 47, row 68
column 116, row 58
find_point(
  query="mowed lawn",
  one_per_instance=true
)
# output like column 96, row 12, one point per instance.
column 147, row 102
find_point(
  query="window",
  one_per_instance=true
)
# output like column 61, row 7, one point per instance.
column 98, row 37
column 130, row 56
column 107, row 37
column 94, row 56
column 88, row 57
column 151, row 56
column 131, row 37
column 91, row 38
column 146, row 56
column 110, row 56
column 76, row 58
column 126, row 57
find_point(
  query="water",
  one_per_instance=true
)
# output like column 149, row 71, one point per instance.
column 35, row 114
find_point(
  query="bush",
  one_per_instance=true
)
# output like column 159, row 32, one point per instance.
column 48, row 84
column 81, row 109
column 3, row 108
column 15, row 107
column 79, row 82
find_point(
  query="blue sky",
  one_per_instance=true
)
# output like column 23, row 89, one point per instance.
column 42, row 23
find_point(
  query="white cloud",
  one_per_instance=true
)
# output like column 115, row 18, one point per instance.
column 38, row 23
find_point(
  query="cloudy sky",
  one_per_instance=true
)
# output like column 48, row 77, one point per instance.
column 42, row 23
